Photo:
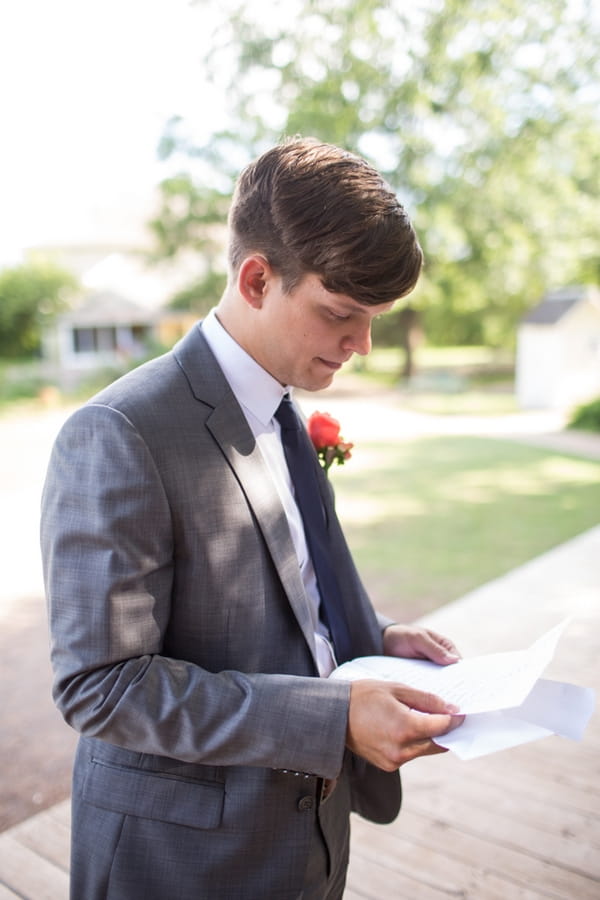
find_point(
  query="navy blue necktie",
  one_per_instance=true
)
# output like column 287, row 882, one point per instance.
column 302, row 462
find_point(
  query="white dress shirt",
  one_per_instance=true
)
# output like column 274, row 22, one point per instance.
column 259, row 395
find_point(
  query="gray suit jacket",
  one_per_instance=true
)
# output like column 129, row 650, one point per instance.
column 182, row 646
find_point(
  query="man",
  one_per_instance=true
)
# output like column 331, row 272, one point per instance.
column 188, row 616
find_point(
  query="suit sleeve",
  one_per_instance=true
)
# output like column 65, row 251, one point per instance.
column 107, row 548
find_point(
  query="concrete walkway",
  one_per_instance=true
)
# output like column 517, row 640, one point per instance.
column 369, row 412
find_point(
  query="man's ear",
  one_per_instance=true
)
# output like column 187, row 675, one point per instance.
column 253, row 277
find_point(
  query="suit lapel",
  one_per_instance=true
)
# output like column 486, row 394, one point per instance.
column 229, row 428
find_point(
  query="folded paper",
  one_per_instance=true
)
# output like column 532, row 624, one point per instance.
column 503, row 698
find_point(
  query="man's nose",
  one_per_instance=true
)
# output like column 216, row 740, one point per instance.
column 360, row 340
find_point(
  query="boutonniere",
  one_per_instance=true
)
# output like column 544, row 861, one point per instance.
column 324, row 432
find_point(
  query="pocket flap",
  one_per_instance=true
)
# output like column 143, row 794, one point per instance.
column 151, row 795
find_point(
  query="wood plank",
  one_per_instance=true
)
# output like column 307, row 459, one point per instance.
column 47, row 837
column 570, row 761
column 547, row 821
column 29, row 875
column 570, row 764
column 485, row 788
column 7, row 894
column 375, row 882
column 533, row 787
column 457, row 841
column 433, row 868
column 534, row 783
column 511, row 828
column 60, row 813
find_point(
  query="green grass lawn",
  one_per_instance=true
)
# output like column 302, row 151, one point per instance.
column 430, row 519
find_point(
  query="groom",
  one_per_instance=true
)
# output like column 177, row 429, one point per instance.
column 191, row 629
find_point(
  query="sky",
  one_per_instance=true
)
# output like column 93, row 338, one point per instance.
column 85, row 91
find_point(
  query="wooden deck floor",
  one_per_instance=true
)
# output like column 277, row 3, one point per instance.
column 519, row 825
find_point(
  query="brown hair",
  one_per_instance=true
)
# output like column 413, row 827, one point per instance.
column 312, row 207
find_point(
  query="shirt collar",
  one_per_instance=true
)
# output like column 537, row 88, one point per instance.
column 252, row 385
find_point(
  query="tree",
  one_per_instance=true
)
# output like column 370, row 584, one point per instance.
column 30, row 295
column 484, row 117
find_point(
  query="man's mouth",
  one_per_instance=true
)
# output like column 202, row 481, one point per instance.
column 334, row 366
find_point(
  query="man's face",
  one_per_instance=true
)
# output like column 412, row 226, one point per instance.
column 303, row 338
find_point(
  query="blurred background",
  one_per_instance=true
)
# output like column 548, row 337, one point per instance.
column 124, row 125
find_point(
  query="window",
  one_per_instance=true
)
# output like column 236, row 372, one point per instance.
column 95, row 340
column 84, row 340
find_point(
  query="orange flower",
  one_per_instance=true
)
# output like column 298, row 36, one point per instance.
column 324, row 432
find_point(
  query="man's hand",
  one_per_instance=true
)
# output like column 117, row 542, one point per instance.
column 412, row 642
column 390, row 724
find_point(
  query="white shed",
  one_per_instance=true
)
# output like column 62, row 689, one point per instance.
column 558, row 350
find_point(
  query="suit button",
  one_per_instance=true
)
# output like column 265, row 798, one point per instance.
column 306, row 803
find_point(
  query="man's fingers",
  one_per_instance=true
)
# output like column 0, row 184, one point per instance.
column 443, row 644
column 423, row 701
column 419, row 643
column 433, row 725
column 390, row 724
column 455, row 722
column 438, row 725
column 423, row 748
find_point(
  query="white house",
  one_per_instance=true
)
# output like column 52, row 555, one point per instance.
column 107, row 330
column 558, row 350
column 120, row 310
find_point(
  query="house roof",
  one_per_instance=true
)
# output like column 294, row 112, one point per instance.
column 557, row 304
column 100, row 308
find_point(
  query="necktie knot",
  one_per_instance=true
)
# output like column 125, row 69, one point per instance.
column 286, row 415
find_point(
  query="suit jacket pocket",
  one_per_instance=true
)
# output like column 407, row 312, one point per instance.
column 151, row 795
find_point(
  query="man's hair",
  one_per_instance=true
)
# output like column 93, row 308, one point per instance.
column 310, row 207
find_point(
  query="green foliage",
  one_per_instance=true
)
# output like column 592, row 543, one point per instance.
column 188, row 216
column 30, row 295
column 587, row 416
column 24, row 388
column 484, row 117
column 200, row 296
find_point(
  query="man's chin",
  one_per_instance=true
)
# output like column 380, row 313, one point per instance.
column 316, row 378
column 319, row 383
